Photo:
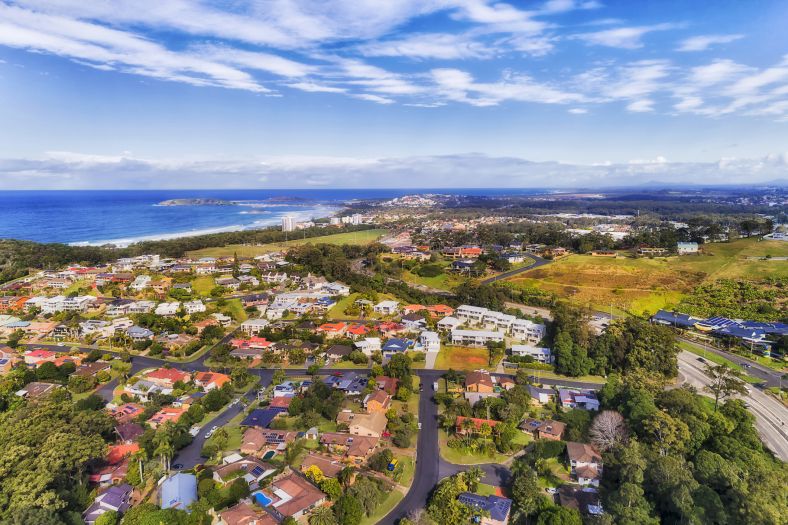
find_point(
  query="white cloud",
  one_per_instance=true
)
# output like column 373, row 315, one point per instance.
column 578, row 111
column 703, row 42
column 622, row 37
column 64, row 170
column 442, row 46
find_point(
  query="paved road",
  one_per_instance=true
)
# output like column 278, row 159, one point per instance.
column 538, row 261
column 771, row 416
column 770, row 376
column 427, row 472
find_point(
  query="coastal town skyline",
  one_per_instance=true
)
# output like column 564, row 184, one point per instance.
column 454, row 93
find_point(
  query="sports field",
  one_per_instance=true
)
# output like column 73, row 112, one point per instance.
column 645, row 285
column 244, row 250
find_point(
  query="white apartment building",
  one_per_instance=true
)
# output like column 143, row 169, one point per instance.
column 288, row 223
column 475, row 337
column 527, row 330
column 541, row 355
column 471, row 314
column 140, row 283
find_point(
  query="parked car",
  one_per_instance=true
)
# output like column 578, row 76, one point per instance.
column 210, row 432
column 194, row 431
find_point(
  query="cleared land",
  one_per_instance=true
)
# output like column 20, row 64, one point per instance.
column 645, row 285
column 243, row 250
column 463, row 358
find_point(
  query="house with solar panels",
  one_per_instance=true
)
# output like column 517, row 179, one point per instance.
column 497, row 507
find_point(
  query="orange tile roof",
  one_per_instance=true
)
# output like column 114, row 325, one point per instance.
column 116, row 453
column 169, row 374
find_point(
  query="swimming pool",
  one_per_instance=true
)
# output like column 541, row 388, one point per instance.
column 269, row 454
column 262, row 499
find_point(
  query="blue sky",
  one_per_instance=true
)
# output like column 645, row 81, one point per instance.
column 391, row 93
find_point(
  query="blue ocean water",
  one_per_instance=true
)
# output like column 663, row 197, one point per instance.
column 122, row 216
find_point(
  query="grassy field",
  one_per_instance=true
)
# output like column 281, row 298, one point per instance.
column 645, row 285
column 361, row 237
column 463, row 358
column 445, row 281
column 203, row 285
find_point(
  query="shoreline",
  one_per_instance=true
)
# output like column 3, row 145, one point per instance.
column 313, row 213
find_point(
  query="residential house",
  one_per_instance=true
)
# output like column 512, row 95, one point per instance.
column 193, row 307
column 257, row 441
column 582, row 499
column 36, row 390
column 387, row 384
column 116, row 498
column 91, row 369
column 649, row 251
column 547, row 429
column 387, row 307
column 414, row 321
column 429, row 341
column 167, row 377
column 115, row 465
column 126, row 412
column 138, row 333
column 228, row 282
column 355, row 448
column 294, row 496
column 540, row 396
column 244, row 513
column 260, row 417
column 495, row 509
column 368, row 425
column 144, row 388
column 377, row 401
column 338, row 352
column 166, row 415
column 585, row 463
column 479, row 381
column 251, row 469
column 210, row 380
column 464, row 425
column 333, row 329
column 395, row 345
column 129, row 432
column 167, row 309
column 327, row 465
column 178, row 491
column 38, row 356
column 254, row 326
column 369, row 345
column 583, row 399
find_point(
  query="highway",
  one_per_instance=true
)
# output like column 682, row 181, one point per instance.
column 770, row 415
column 770, row 376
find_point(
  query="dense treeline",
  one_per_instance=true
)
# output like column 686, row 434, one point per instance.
column 669, row 458
column 17, row 256
column 45, row 451
column 628, row 344
column 765, row 301
column 336, row 263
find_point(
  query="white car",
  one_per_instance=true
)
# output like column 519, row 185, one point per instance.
column 419, row 426
column 210, row 432
column 194, row 431
column 551, row 490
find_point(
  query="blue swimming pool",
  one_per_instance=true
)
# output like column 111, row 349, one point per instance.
column 269, row 454
column 262, row 499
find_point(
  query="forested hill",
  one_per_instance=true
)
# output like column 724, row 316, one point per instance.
column 17, row 257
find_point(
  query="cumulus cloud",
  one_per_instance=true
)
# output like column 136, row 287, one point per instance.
column 64, row 170
column 703, row 42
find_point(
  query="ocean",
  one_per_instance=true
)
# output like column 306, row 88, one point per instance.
column 122, row 217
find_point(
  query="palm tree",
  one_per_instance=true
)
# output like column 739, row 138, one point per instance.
column 163, row 448
column 322, row 516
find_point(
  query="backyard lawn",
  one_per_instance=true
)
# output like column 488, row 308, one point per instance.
column 360, row 237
